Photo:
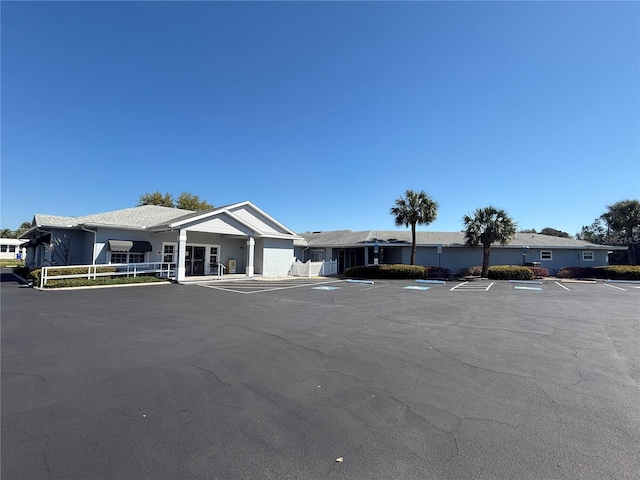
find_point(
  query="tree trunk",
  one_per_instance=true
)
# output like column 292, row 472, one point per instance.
column 631, row 253
column 485, row 261
column 413, row 244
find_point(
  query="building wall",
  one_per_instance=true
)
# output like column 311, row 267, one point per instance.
column 277, row 257
column 105, row 234
column 12, row 243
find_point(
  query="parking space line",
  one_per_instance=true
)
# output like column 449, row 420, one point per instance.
column 613, row 286
column 466, row 286
column 560, row 285
column 249, row 288
column 459, row 285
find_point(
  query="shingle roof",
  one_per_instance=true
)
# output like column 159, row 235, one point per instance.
column 139, row 217
column 142, row 217
column 345, row 238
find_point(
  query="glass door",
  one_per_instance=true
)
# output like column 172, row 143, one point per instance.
column 194, row 260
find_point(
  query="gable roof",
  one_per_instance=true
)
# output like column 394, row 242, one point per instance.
column 244, row 214
column 157, row 218
column 349, row 238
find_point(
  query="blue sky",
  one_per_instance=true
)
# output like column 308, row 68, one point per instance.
column 322, row 114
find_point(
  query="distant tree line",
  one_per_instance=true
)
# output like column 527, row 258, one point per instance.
column 185, row 201
column 619, row 225
column 8, row 233
column 547, row 231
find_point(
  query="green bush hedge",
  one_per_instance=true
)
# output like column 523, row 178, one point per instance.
column 612, row 272
column 396, row 271
column 510, row 272
column 471, row 271
column 84, row 282
column 619, row 272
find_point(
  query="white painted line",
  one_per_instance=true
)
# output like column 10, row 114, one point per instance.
column 439, row 282
column 613, row 286
column 538, row 282
column 415, row 287
column 368, row 282
column 220, row 287
column 517, row 287
column 490, row 285
column 325, row 288
column 560, row 285
column 459, row 285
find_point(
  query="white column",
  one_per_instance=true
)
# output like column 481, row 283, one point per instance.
column 182, row 253
column 251, row 246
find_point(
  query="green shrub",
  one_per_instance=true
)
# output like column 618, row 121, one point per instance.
column 471, row 272
column 396, row 271
column 577, row 272
column 619, row 272
column 510, row 272
column 539, row 271
column 437, row 272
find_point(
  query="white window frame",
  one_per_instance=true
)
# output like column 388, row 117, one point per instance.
column 174, row 254
column 316, row 254
column 128, row 256
column 588, row 253
column 546, row 255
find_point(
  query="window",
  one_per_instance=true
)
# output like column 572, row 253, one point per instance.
column 118, row 257
column 546, row 255
column 316, row 255
column 127, row 257
column 3, row 248
column 169, row 252
column 213, row 256
column 588, row 256
column 136, row 257
column 12, row 248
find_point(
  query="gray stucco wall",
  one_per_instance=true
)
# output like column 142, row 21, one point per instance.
column 277, row 257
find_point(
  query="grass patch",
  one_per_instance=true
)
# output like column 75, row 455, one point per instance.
column 84, row 282
column 8, row 262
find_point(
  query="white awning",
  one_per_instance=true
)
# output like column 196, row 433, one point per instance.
column 129, row 246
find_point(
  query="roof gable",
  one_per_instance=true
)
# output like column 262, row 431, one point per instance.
column 245, row 217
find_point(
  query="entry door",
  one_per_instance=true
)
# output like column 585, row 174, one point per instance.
column 194, row 260
column 341, row 261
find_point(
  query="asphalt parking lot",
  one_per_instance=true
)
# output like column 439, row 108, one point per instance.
column 280, row 379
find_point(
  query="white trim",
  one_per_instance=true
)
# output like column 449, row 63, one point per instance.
column 592, row 253
column 550, row 252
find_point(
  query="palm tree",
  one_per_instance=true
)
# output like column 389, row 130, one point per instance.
column 488, row 225
column 412, row 209
column 624, row 217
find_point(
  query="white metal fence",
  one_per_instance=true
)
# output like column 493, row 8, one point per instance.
column 90, row 272
column 314, row 269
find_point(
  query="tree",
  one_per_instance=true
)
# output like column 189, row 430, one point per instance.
column 488, row 225
column 185, row 201
column 8, row 233
column 594, row 233
column 554, row 233
column 623, row 217
column 156, row 198
column 189, row 201
column 527, row 230
column 412, row 209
